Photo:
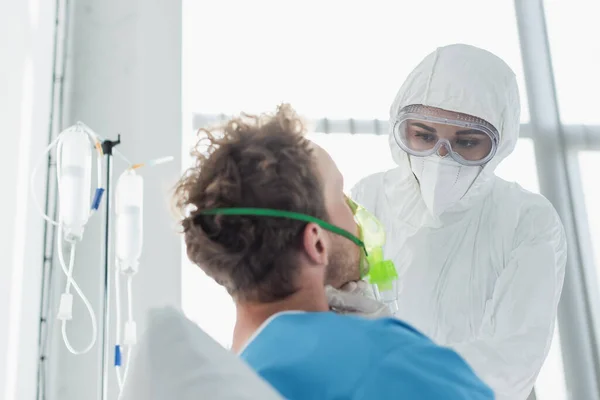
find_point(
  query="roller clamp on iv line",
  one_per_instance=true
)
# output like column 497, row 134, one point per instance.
column 74, row 148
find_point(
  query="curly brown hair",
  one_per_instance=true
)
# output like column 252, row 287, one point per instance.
column 252, row 161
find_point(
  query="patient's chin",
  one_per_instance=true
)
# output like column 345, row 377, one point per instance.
column 332, row 279
column 335, row 284
column 340, row 278
column 343, row 264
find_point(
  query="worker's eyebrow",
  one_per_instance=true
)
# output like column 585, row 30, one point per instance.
column 423, row 126
column 471, row 132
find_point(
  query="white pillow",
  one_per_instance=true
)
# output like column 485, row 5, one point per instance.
column 176, row 360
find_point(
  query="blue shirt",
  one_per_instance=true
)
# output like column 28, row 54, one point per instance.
column 330, row 356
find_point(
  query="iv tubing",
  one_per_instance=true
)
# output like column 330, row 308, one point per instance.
column 122, row 378
column 32, row 182
column 71, row 282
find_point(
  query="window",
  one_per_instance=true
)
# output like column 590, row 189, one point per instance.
column 203, row 300
column 572, row 25
column 332, row 58
column 361, row 155
column 551, row 384
column 520, row 166
column 589, row 164
column 207, row 304
column 336, row 59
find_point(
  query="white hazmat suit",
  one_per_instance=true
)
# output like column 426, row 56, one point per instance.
column 485, row 276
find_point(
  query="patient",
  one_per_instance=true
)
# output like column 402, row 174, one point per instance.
column 276, row 266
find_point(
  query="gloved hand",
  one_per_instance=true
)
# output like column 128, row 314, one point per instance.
column 361, row 287
column 353, row 299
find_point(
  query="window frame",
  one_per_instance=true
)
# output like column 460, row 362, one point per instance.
column 560, row 181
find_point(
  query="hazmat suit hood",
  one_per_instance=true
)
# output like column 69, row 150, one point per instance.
column 468, row 80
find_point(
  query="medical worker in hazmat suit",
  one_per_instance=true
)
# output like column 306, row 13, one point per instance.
column 480, row 261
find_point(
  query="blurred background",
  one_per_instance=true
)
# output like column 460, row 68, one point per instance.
column 157, row 70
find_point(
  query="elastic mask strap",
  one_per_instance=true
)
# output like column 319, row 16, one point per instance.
column 266, row 212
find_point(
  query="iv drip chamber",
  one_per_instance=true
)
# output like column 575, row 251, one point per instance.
column 129, row 223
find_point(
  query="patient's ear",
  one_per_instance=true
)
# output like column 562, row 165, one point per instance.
column 314, row 244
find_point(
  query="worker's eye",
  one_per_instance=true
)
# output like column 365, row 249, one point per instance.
column 426, row 137
column 468, row 143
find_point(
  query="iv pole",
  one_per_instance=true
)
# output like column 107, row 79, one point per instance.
column 107, row 149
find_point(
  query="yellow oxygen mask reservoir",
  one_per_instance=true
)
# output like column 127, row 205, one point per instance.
column 380, row 273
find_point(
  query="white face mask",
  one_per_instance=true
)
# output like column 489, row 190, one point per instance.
column 443, row 181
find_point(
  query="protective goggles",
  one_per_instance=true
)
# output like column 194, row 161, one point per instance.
column 371, row 241
column 422, row 131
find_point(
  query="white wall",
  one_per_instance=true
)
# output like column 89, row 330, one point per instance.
column 124, row 76
column 26, row 44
